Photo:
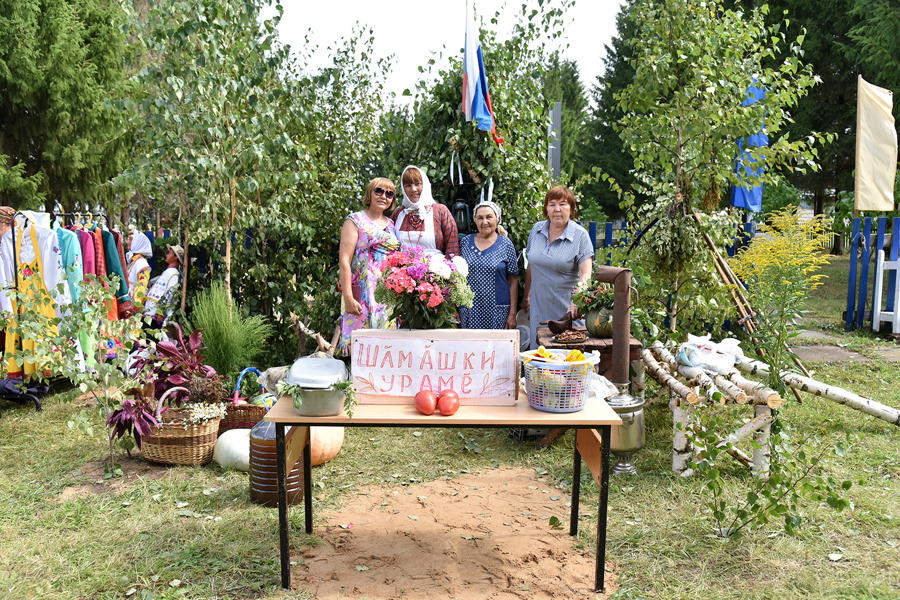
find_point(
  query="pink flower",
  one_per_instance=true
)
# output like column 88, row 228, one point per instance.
column 436, row 298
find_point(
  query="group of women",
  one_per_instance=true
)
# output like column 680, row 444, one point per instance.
column 559, row 255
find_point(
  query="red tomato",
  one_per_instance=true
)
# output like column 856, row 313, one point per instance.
column 448, row 403
column 426, row 402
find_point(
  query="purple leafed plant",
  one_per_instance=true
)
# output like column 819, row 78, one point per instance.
column 135, row 416
column 177, row 362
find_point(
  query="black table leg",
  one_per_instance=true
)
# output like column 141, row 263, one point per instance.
column 576, row 488
column 599, row 583
column 282, row 507
column 307, row 480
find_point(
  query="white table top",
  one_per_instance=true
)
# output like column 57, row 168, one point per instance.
column 594, row 414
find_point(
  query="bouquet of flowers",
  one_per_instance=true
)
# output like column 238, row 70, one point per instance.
column 590, row 295
column 595, row 303
column 423, row 291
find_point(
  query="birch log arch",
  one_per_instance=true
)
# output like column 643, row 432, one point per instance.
column 389, row 366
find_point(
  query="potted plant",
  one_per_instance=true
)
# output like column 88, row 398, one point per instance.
column 595, row 302
column 189, row 403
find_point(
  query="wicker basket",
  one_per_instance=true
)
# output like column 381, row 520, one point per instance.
column 174, row 444
column 241, row 416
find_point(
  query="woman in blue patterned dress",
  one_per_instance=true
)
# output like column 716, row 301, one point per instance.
column 493, row 273
column 366, row 239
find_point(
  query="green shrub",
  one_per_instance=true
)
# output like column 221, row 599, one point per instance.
column 233, row 341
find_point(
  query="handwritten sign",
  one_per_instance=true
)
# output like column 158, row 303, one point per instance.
column 392, row 366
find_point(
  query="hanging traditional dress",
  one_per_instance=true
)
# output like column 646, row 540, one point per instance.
column 70, row 246
column 39, row 269
column 89, row 262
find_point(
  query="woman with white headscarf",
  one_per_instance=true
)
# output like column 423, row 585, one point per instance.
column 139, row 268
column 493, row 272
column 421, row 221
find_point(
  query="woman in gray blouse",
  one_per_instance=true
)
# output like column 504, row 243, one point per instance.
column 560, row 256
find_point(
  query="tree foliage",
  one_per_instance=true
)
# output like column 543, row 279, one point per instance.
column 694, row 63
column 61, row 138
column 562, row 84
column 603, row 149
column 289, row 265
column 876, row 40
column 436, row 127
column 215, row 114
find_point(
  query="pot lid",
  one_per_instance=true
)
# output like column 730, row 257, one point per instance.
column 316, row 373
column 625, row 403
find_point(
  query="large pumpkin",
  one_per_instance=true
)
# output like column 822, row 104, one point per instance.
column 325, row 443
column 233, row 449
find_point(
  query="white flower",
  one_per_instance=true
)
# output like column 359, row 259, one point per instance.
column 439, row 266
column 461, row 265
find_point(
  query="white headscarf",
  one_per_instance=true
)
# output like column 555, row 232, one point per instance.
column 425, row 198
column 140, row 247
column 492, row 205
column 140, row 244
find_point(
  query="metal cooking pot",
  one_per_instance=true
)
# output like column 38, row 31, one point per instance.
column 315, row 376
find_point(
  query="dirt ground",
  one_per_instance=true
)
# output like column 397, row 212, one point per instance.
column 481, row 536
column 87, row 480
column 486, row 535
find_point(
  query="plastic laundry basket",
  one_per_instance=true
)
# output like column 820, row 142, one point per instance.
column 558, row 387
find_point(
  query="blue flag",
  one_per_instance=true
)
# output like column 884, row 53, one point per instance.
column 743, row 195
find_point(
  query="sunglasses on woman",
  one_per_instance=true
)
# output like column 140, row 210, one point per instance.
column 383, row 192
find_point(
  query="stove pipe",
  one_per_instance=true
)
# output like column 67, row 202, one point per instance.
column 621, row 280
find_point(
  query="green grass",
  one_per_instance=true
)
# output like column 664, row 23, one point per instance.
column 219, row 545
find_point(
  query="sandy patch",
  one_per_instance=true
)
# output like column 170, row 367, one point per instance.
column 87, row 480
column 485, row 535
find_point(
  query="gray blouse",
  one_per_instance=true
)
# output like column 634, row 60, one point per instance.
column 554, row 270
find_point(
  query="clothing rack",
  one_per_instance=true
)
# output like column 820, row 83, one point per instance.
column 91, row 216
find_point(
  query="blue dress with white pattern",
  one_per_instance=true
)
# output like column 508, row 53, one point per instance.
column 488, row 273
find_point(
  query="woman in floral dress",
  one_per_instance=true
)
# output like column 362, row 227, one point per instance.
column 366, row 239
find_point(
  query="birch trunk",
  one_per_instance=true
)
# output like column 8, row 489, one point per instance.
column 639, row 381
column 738, row 455
column 697, row 375
column 761, row 455
column 665, row 378
column 760, row 421
column 682, row 449
column 228, row 243
column 836, row 394
column 734, row 392
column 760, row 393
column 184, row 270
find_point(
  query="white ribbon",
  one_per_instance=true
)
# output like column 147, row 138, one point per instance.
column 457, row 170
column 490, row 190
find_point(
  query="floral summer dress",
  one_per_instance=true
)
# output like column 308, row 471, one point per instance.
column 372, row 247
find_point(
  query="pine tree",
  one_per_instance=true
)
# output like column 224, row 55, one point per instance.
column 603, row 147
column 561, row 84
column 61, row 63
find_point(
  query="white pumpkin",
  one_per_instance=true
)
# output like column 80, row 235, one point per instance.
column 233, row 449
column 324, row 444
